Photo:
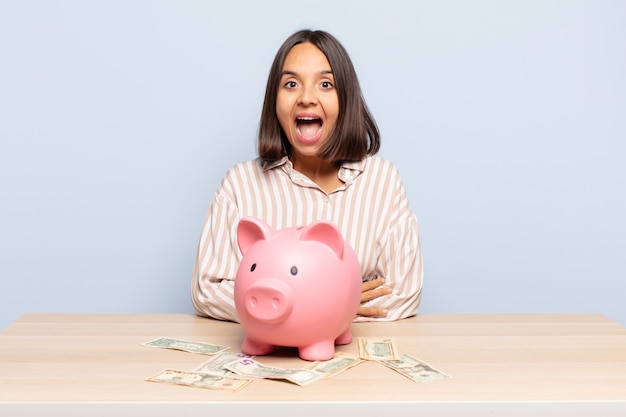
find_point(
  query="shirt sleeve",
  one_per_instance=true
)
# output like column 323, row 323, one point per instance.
column 216, row 262
column 400, row 262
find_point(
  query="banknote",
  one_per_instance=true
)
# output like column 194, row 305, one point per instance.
column 377, row 349
column 339, row 363
column 200, row 380
column 415, row 369
column 215, row 365
column 186, row 345
column 250, row 368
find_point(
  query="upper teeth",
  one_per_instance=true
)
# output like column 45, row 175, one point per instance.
column 307, row 119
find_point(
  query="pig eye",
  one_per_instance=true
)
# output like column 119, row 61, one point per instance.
column 294, row 271
column 253, row 267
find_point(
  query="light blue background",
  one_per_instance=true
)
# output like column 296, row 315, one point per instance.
column 507, row 120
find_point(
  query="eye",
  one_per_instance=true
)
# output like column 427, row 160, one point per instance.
column 253, row 267
column 327, row 85
column 294, row 271
column 291, row 84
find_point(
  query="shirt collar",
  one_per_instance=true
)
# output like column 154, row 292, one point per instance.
column 350, row 170
column 267, row 165
column 355, row 165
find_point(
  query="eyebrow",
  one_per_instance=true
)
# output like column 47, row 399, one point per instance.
column 323, row 72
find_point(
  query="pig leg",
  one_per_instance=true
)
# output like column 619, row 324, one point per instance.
column 344, row 338
column 252, row 347
column 320, row 351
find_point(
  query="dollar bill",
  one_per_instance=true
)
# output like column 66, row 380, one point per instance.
column 415, row 369
column 377, row 349
column 200, row 380
column 187, row 346
column 215, row 365
column 339, row 363
column 250, row 368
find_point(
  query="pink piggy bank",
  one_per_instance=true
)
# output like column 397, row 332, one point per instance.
column 298, row 287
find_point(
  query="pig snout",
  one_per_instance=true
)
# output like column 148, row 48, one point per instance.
column 269, row 300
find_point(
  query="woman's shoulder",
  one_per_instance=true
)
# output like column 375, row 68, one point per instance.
column 240, row 168
column 249, row 164
column 378, row 166
column 240, row 173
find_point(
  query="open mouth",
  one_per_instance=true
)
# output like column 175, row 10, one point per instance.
column 309, row 128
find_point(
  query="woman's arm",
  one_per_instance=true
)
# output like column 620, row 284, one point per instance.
column 395, row 291
column 216, row 262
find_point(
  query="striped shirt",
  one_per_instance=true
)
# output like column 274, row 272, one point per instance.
column 371, row 209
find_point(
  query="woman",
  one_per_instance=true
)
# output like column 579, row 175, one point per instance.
column 316, row 145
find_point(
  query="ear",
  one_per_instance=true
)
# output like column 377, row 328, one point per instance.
column 251, row 230
column 327, row 233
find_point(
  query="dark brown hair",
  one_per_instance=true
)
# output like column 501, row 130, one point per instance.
column 355, row 135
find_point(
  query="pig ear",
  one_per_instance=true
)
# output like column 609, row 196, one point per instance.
column 250, row 230
column 326, row 233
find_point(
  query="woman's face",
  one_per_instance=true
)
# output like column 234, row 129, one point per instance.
column 307, row 104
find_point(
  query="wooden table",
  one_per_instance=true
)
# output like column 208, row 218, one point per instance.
column 515, row 365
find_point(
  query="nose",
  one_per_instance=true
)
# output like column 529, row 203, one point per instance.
column 308, row 95
column 269, row 300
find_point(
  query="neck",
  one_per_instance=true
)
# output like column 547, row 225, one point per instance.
column 322, row 173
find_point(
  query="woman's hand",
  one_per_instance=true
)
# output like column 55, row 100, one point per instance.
column 373, row 289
